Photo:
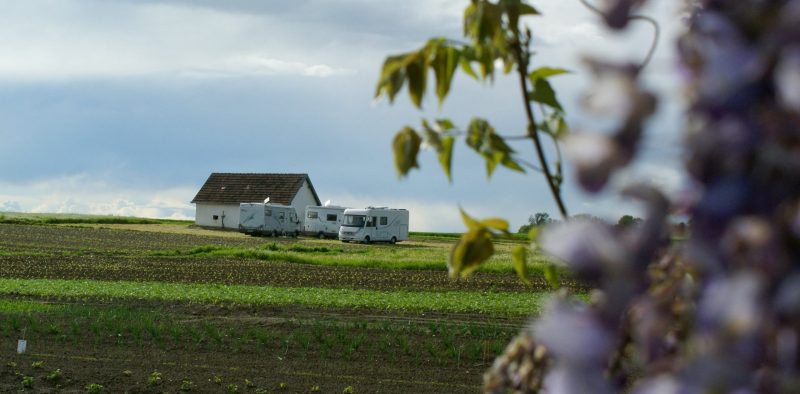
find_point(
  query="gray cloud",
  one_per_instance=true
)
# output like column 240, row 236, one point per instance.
column 139, row 96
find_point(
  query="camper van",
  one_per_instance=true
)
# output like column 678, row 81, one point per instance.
column 268, row 219
column 373, row 224
column 323, row 221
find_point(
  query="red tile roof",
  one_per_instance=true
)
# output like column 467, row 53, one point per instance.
column 233, row 188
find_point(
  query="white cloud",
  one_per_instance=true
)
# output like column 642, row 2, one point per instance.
column 668, row 179
column 251, row 64
column 81, row 194
column 10, row 206
column 441, row 215
column 119, row 39
column 423, row 215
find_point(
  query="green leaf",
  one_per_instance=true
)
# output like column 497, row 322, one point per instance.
column 526, row 9
column 482, row 138
column 533, row 233
column 416, row 75
column 471, row 223
column 546, row 72
column 510, row 163
column 519, row 256
column 496, row 224
column 446, row 156
column 393, row 77
column 445, row 124
column 554, row 126
column 431, row 136
column 444, row 64
column 472, row 249
column 552, row 276
column 466, row 59
column 442, row 143
column 406, row 148
column 544, row 93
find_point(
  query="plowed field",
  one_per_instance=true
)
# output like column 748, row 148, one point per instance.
column 216, row 342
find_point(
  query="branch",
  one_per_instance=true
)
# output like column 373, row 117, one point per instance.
column 645, row 18
column 522, row 71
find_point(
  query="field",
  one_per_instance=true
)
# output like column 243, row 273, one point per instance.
column 158, row 306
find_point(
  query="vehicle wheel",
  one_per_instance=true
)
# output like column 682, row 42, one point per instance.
column 393, row 240
column 347, row 242
column 366, row 239
column 321, row 235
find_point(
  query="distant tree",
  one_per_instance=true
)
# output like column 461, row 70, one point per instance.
column 628, row 221
column 538, row 219
column 586, row 217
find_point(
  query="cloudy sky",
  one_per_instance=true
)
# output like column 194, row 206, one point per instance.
column 125, row 107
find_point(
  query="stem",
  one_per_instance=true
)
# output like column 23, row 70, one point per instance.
column 522, row 69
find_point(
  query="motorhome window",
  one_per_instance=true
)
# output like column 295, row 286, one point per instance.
column 354, row 220
column 313, row 215
column 281, row 216
column 374, row 221
column 332, row 217
column 268, row 212
column 384, row 220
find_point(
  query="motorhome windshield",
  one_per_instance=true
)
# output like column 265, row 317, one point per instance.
column 354, row 220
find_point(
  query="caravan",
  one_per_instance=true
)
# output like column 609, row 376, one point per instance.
column 268, row 219
column 374, row 224
column 323, row 221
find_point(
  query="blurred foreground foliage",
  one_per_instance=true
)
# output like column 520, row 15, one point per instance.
column 717, row 312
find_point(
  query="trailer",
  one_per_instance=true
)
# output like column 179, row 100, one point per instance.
column 268, row 219
column 374, row 224
column 323, row 221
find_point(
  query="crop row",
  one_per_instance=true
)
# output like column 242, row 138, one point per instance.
column 252, row 272
column 327, row 339
column 492, row 303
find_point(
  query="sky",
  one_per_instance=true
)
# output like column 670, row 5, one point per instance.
column 125, row 107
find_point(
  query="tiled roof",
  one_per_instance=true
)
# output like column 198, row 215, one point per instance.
column 231, row 188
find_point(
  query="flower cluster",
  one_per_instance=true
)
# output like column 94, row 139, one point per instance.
column 720, row 311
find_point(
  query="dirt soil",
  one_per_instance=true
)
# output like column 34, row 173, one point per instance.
column 89, row 359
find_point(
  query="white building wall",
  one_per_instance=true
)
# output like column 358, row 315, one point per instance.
column 227, row 214
column 302, row 199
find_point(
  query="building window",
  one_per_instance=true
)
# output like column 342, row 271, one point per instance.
column 313, row 215
column 281, row 216
column 332, row 217
column 215, row 217
column 384, row 220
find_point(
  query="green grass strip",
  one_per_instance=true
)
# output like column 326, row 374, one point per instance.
column 22, row 307
column 455, row 302
column 432, row 259
column 55, row 218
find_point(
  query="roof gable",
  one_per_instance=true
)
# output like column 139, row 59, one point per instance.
column 233, row 188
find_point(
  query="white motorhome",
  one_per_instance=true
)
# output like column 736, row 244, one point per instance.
column 268, row 219
column 323, row 221
column 374, row 224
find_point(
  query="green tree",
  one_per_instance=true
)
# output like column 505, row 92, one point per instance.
column 538, row 219
column 628, row 221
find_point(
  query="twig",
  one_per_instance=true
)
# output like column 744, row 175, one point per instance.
column 645, row 18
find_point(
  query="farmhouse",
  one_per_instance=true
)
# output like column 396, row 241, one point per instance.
column 217, row 202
